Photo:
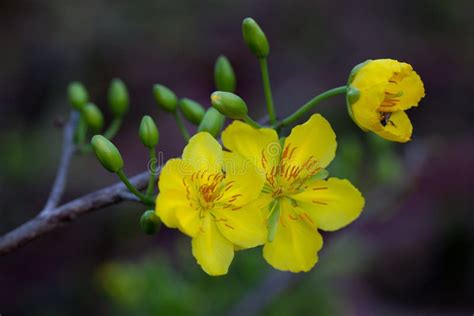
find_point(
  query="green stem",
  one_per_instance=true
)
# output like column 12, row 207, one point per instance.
column 132, row 189
column 181, row 125
column 151, row 181
column 267, row 90
column 251, row 122
column 311, row 104
column 113, row 128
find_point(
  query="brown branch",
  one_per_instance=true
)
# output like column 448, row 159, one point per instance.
column 65, row 213
column 63, row 169
column 53, row 217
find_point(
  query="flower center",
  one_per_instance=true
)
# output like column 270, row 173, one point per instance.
column 390, row 101
column 205, row 191
column 288, row 176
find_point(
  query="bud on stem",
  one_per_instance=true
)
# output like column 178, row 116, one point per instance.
column 192, row 111
column 165, row 98
column 77, row 94
column 118, row 98
column 212, row 122
column 229, row 104
column 255, row 38
column 108, row 155
column 149, row 222
column 93, row 117
column 224, row 76
column 148, row 132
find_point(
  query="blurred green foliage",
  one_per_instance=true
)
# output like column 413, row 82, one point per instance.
column 157, row 285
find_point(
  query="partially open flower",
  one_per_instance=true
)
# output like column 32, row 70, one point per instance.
column 379, row 92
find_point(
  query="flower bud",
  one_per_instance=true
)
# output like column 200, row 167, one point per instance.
column 108, row 155
column 224, row 76
column 149, row 134
column 229, row 104
column 77, row 94
column 193, row 111
column 93, row 117
column 118, row 98
column 150, row 222
column 212, row 122
column 165, row 97
column 255, row 38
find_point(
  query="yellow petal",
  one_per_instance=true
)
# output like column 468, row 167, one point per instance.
column 375, row 72
column 172, row 191
column 166, row 205
column 244, row 181
column 413, row 90
column 331, row 204
column 365, row 109
column 244, row 226
column 172, row 174
column 212, row 251
column 250, row 142
column 203, row 152
column 398, row 128
column 188, row 220
column 314, row 139
column 296, row 243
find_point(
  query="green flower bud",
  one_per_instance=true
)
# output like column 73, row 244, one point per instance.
column 229, row 104
column 149, row 134
column 224, row 76
column 255, row 38
column 165, row 97
column 93, row 117
column 118, row 98
column 77, row 94
column 150, row 222
column 212, row 122
column 193, row 111
column 108, row 155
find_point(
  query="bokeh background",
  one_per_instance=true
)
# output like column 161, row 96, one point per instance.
column 410, row 253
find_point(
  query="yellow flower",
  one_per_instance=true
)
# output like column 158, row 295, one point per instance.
column 207, row 195
column 379, row 93
column 304, row 203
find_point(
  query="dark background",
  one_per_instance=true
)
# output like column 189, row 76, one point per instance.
column 410, row 253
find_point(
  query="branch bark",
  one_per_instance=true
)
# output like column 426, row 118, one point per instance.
column 59, row 216
column 53, row 217
column 63, row 169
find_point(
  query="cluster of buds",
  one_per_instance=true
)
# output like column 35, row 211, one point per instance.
column 92, row 123
column 377, row 94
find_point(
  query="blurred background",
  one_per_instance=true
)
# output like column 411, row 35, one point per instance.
column 410, row 253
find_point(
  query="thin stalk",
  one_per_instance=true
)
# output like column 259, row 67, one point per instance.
column 181, row 125
column 151, row 181
column 113, row 128
column 132, row 189
column 267, row 90
column 311, row 104
column 251, row 122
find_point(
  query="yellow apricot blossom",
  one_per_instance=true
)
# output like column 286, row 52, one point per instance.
column 379, row 92
column 208, row 195
column 295, row 201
